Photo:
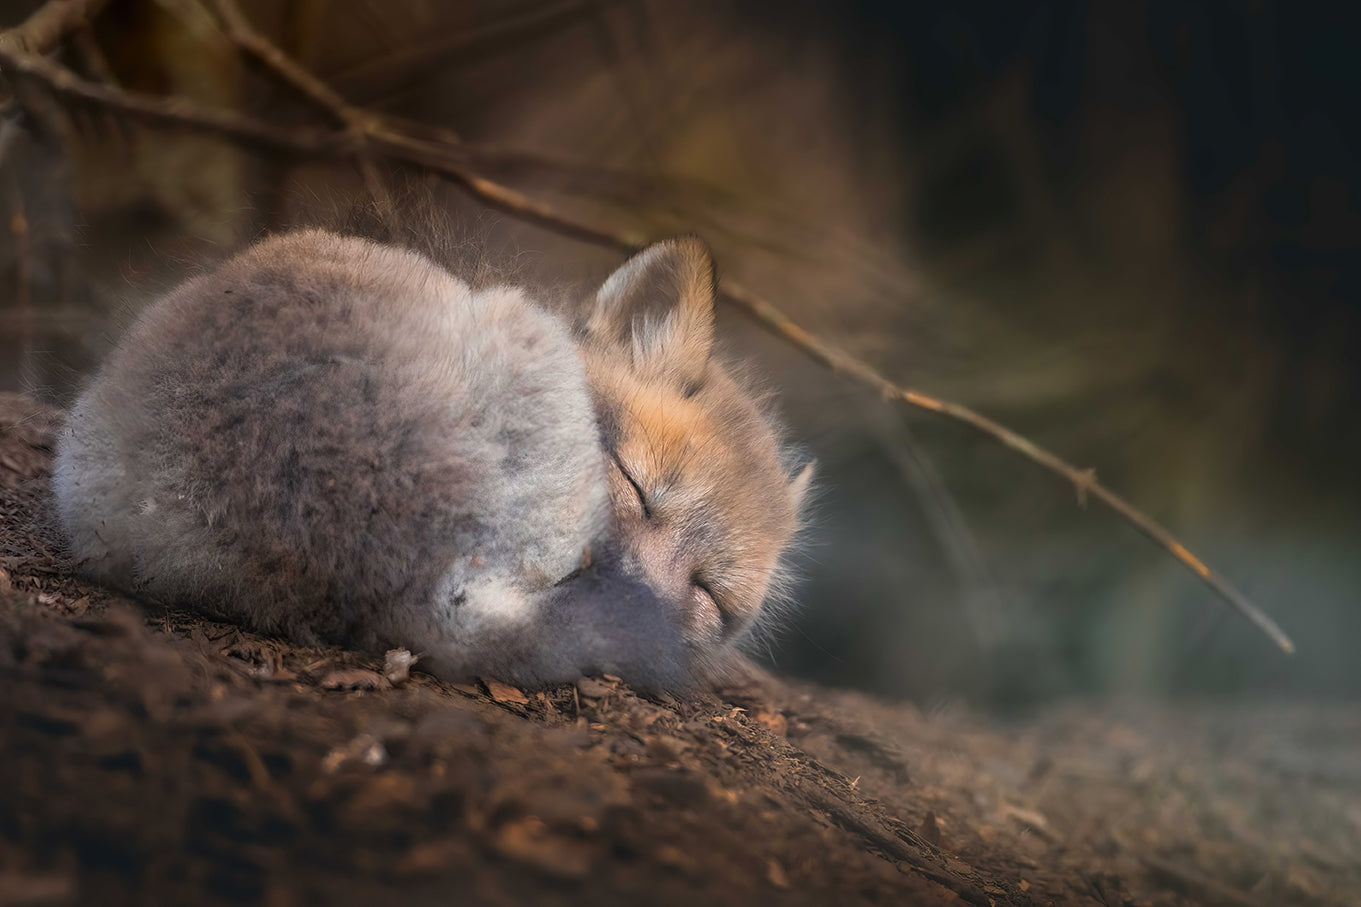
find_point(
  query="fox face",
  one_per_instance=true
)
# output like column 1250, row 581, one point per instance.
column 702, row 507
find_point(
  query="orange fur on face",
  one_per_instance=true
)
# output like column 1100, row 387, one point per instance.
column 717, row 509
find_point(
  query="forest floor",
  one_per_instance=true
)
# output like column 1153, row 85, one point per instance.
column 150, row 756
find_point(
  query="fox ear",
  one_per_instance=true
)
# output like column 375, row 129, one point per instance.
column 660, row 305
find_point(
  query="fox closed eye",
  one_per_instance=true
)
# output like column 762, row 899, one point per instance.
column 638, row 489
column 708, row 599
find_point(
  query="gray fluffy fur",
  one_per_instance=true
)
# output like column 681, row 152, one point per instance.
column 338, row 440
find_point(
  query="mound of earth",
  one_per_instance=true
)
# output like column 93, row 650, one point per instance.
column 153, row 756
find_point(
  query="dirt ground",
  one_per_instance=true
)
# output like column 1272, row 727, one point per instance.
column 154, row 757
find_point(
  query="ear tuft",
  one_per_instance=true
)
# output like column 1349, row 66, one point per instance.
column 659, row 305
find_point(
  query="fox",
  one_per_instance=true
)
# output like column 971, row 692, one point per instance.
column 339, row 440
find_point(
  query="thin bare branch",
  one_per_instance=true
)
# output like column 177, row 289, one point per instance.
column 170, row 111
column 269, row 55
column 360, row 123
column 411, row 64
column 49, row 25
column 385, row 138
column 92, row 58
column 417, row 144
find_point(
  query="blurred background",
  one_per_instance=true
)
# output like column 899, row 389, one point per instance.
column 1129, row 231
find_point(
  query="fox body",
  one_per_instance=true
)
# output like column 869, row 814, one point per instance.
column 341, row 441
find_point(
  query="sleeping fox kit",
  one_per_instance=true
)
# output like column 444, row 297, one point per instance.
column 341, row 441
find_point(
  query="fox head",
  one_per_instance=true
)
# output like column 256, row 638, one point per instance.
column 702, row 505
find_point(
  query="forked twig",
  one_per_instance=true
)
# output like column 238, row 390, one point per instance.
column 49, row 25
column 365, row 135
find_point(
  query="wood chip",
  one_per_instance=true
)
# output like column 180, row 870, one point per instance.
column 432, row 856
column 504, row 692
column 365, row 749
column 1031, row 819
column 354, row 679
column 773, row 721
column 594, row 689
column 672, row 857
column 397, row 666
column 531, row 842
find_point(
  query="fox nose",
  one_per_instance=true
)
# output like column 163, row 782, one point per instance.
column 661, row 562
column 604, row 619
